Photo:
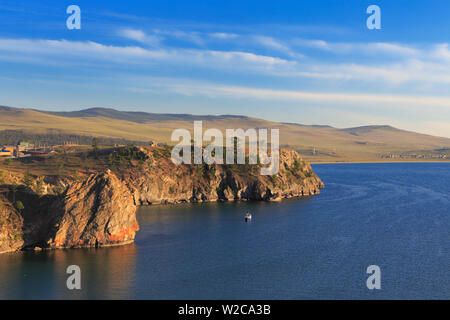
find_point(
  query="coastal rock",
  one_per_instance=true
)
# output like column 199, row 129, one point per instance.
column 164, row 182
column 11, row 224
column 96, row 212
column 100, row 209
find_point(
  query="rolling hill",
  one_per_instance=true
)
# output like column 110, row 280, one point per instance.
column 315, row 142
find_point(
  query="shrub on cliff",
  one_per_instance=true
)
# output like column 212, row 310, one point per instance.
column 309, row 174
column 296, row 166
column 28, row 179
column 19, row 205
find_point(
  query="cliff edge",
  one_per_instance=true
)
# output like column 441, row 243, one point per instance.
column 99, row 211
column 96, row 212
column 98, row 207
column 164, row 182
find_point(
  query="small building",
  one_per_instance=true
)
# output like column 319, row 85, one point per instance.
column 39, row 153
column 9, row 148
column 24, row 144
column 5, row 153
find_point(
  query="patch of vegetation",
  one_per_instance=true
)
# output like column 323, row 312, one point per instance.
column 309, row 174
column 125, row 155
column 19, row 205
column 296, row 166
column 140, row 165
column 57, row 137
column 28, row 179
column 95, row 147
column 274, row 179
column 156, row 154
column 209, row 171
column 16, row 236
column 40, row 187
column 166, row 152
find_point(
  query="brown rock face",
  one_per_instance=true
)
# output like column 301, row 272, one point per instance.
column 11, row 224
column 96, row 212
column 101, row 210
column 164, row 182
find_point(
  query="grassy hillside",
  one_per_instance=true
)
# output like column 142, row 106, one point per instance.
column 316, row 143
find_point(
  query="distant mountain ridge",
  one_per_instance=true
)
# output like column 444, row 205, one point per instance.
column 137, row 116
column 364, row 143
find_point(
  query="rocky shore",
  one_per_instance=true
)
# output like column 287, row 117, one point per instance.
column 100, row 209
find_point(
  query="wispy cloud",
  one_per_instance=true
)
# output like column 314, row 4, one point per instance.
column 191, row 88
column 418, row 67
column 78, row 51
column 223, row 35
column 370, row 48
column 272, row 43
column 140, row 36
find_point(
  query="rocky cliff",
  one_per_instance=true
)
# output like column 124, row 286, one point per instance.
column 11, row 223
column 164, row 182
column 96, row 212
column 98, row 209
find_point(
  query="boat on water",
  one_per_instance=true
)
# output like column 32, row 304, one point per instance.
column 248, row 217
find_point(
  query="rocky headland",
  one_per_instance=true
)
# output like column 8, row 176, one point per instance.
column 96, row 207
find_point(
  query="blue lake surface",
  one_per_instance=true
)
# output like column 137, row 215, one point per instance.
column 396, row 216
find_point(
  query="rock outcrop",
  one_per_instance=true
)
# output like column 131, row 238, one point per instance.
column 96, row 212
column 100, row 209
column 164, row 182
column 11, row 224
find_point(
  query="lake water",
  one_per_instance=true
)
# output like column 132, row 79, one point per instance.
column 396, row 216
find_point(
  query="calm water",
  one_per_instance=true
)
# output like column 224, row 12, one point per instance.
column 396, row 216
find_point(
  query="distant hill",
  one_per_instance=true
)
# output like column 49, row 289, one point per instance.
column 315, row 142
column 134, row 116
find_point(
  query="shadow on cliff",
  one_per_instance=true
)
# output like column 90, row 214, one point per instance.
column 39, row 214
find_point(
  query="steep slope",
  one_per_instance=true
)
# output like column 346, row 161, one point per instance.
column 11, row 224
column 96, row 212
column 161, row 181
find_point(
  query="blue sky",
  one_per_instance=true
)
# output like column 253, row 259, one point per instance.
column 312, row 62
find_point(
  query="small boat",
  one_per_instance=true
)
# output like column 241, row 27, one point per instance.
column 248, row 217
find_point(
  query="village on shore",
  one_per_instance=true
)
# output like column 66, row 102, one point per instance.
column 25, row 149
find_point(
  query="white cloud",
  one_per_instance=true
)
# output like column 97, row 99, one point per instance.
column 191, row 36
column 271, row 43
column 73, row 52
column 409, row 71
column 223, row 35
column 442, row 52
column 367, row 48
column 405, row 102
column 140, row 36
column 429, row 67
